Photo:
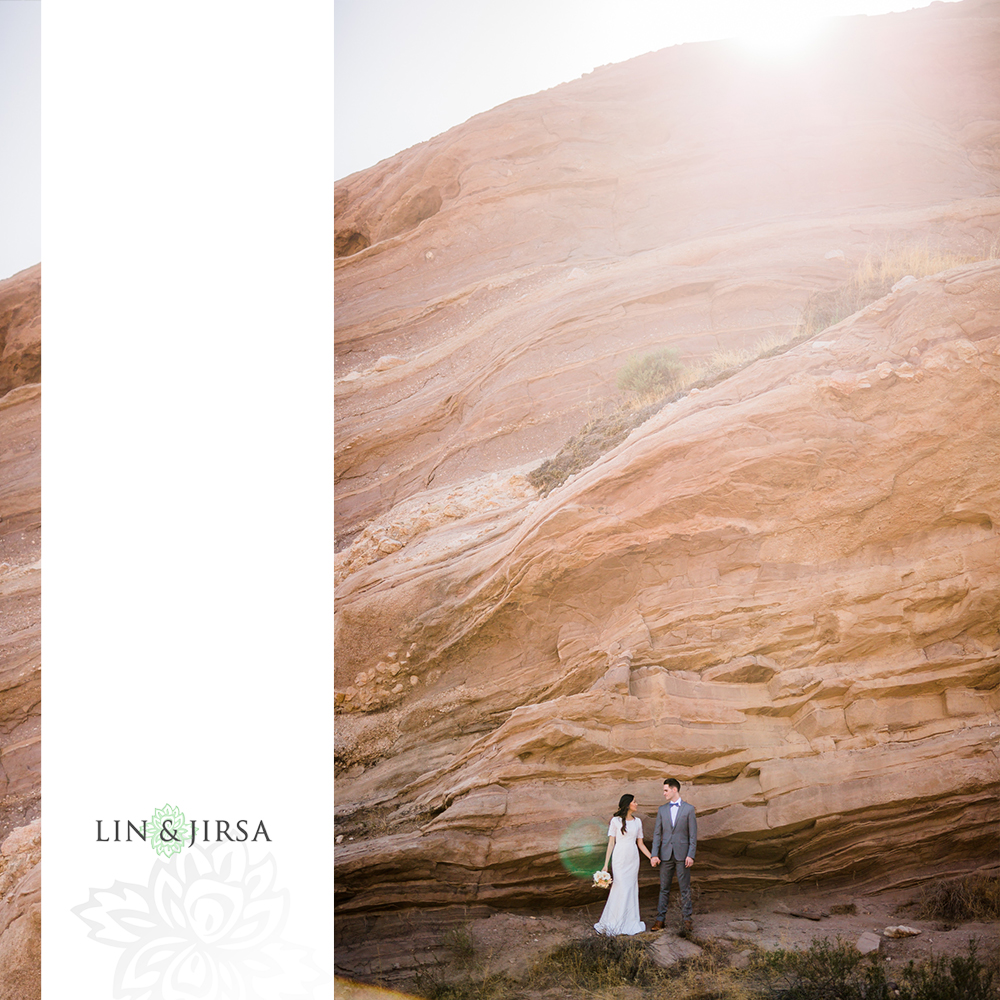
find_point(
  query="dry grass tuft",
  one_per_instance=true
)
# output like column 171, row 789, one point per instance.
column 491, row 987
column 597, row 963
column 974, row 897
column 878, row 271
column 459, row 942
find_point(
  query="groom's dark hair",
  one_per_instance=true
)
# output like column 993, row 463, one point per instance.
column 673, row 783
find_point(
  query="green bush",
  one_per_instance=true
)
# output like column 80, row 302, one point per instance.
column 839, row 971
column 825, row 971
column 650, row 374
column 958, row 978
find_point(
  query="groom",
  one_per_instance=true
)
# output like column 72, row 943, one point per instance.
column 675, row 838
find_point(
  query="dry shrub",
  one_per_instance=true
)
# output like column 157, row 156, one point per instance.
column 838, row 971
column 721, row 361
column 962, row 977
column 603, row 433
column 974, row 897
column 878, row 271
column 597, row 437
column 493, row 987
column 650, row 374
column 597, row 963
column 614, row 966
column 459, row 942
column 825, row 971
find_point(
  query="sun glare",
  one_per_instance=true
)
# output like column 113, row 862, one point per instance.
column 779, row 35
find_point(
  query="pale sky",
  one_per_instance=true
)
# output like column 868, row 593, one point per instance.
column 20, row 126
column 407, row 70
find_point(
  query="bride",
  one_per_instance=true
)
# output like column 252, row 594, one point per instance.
column 621, row 912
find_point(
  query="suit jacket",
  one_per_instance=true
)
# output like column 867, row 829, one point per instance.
column 680, row 842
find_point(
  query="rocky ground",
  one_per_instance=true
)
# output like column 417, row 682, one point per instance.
column 452, row 944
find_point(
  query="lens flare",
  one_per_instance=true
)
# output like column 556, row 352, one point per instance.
column 582, row 846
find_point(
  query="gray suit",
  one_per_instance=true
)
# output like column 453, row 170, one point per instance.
column 672, row 843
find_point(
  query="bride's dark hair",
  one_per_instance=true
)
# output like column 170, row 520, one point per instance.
column 623, row 803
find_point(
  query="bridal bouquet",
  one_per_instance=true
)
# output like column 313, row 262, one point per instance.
column 602, row 880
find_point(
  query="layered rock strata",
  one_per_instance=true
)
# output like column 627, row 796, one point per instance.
column 21, row 329
column 21, row 914
column 783, row 590
column 20, row 632
column 494, row 279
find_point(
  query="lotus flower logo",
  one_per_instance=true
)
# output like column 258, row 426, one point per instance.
column 167, row 825
column 206, row 925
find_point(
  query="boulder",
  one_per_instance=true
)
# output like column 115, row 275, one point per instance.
column 668, row 950
column 869, row 942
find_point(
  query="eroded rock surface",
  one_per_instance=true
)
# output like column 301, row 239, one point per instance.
column 20, row 633
column 694, row 197
column 21, row 329
column 784, row 590
column 21, row 914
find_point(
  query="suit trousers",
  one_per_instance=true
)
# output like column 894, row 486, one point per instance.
column 667, row 869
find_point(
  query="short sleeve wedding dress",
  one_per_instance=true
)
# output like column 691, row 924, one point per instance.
column 621, row 912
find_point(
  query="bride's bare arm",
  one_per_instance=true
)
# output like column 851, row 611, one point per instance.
column 611, row 847
column 641, row 844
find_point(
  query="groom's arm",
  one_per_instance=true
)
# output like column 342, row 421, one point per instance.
column 692, row 833
column 657, row 834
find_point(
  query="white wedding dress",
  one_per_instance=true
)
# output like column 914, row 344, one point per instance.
column 621, row 912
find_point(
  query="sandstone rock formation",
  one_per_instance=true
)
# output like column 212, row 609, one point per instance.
column 688, row 197
column 21, row 329
column 20, row 631
column 20, row 914
column 783, row 589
